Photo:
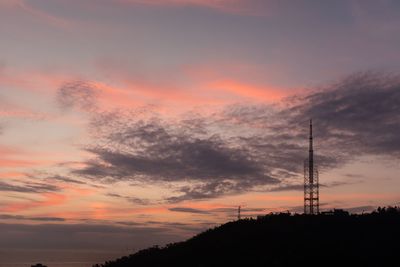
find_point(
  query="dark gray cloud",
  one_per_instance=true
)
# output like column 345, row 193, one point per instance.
column 29, row 187
column 156, row 151
column 128, row 223
column 357, row 115
column 79, row 94
column 134, row 200
column 213, row 189
column 153, row 149
column 288, row 187
column 300, row 186
column 249, row 147
column 29, row 218
column 64, row 179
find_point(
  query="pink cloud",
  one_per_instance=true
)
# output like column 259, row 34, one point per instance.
column 34, row 80
column 122, row 90
column 50, row 199
column 243, row 90
column 11, row 157
column 213, row 84
column 12, row 174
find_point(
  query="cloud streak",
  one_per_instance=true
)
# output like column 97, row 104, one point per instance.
column 28, row 218
column 50, row 199
column 238, row 7
column 41, row 14
column 28, row 187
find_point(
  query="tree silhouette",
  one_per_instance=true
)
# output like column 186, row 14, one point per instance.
column 334, row 238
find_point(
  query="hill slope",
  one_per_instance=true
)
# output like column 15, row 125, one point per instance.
column 338, row 239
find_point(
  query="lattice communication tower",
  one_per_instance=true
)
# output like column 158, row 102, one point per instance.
column 311, row 181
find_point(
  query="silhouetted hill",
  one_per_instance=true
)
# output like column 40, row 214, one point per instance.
column 335, row 239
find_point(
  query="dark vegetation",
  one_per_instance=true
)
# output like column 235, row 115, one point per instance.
column 331, row 239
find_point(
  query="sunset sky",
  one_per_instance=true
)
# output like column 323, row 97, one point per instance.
column 143, row 122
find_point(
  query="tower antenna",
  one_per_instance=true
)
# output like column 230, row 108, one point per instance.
column 311, row 180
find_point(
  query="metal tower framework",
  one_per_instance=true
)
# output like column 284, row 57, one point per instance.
column 311, row 181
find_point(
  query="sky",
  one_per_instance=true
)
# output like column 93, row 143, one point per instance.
column 143, row 122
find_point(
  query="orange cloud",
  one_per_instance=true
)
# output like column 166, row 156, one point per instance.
column 32, row 80
column 13, row 157
column 112, row 96
column 12, row 174
column 164, row 93
column 12, row 163
column 198, row 90
column 126, row 92
column 51, row 199
column 258, row 93
column 24, row 114
column 78, row 191
column 134, row 93
column 9, row 150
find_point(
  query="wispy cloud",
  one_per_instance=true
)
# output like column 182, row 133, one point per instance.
column 64, row 179
column 188, row 210
column 47, row 17
column 238, row 7
column 300, row 186
column 134, row 200
column 50, row 199
column 28, row 187
column 30, row 218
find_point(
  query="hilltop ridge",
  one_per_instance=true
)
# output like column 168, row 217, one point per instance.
column 331, row 239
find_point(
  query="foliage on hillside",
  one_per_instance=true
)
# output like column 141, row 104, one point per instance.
column 330, row 239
